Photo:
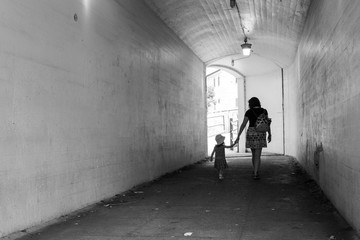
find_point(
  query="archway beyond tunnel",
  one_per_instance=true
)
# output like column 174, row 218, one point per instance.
column 228, row 97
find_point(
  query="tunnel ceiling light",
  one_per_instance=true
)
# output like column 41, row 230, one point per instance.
column 246, row 48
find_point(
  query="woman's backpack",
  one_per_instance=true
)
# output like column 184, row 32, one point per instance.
column 262, row 123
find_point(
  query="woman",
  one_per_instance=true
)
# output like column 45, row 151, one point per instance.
column 254, row 140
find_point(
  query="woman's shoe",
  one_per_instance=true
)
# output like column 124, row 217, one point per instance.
column 256, row 177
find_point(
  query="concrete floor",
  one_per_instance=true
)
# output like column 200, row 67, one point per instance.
column 193, row 204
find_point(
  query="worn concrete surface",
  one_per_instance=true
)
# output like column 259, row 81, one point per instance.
column 284, row 204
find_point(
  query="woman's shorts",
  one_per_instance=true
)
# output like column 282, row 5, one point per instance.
column 255, row 139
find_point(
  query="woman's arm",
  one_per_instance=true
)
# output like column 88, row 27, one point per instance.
column 269, row 132
column 245, row 121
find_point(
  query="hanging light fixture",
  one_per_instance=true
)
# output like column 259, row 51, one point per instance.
column 246, row 48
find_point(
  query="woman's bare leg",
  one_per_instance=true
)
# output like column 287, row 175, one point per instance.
column 253, row 157
column 256, row 160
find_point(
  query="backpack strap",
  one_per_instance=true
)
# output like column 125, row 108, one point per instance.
column 256, row 114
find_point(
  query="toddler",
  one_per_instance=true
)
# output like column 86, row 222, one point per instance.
column 219, row 151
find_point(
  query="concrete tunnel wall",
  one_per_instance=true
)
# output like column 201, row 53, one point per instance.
column 91, row 108
column 328, row 98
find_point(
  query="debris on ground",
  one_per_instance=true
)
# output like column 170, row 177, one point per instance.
column 138, row 192
column 120, row 199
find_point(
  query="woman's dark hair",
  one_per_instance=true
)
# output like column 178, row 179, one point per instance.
column 254, row 102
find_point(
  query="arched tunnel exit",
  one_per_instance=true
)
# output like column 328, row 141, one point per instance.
column 224, row 83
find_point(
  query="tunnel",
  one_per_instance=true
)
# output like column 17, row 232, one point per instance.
column 98, row 97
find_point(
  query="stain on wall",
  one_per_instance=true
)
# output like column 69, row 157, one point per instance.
column 91, row 106
column 329, row 96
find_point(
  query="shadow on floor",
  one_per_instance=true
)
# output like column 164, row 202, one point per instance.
column 192, row 203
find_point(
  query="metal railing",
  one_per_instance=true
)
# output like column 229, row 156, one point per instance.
column 223, row 122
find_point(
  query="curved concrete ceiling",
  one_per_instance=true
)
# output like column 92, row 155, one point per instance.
column 215, row 31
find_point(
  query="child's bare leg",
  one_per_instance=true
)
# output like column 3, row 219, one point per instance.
column 221, row 174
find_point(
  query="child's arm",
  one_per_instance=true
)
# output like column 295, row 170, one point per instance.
column 232, row 145
column 212, row 155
